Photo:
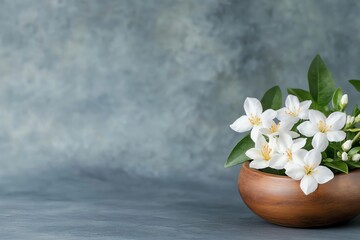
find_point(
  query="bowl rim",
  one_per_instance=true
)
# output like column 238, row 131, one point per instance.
column 246, row 166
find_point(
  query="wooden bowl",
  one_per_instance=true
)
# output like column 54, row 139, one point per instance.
column 279, row 199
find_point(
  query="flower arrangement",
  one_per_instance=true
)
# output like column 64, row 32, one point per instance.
column 310, row 139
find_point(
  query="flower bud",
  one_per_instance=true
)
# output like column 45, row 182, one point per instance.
column 349, row 121
column 357, row 118
column 344, row 156
column 346, row 145
column 344, row 100
column 356, row 157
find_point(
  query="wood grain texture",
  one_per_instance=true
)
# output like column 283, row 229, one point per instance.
column 279, row 199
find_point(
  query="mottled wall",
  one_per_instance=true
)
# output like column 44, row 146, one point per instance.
column 149, row 87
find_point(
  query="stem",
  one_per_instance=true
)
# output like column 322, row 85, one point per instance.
column 352, row 130
column 356, row 137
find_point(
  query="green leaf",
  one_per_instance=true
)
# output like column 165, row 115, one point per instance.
column 273, row 171
column 300, row 93
column 356, row 110
column 335, row 145
column 272, row 98
column 237, row 155
column 353, row 164
column 336, row 99
column 308, row 145
column 356, row 84
column 321, row 83
column 351, row 135
column 340, row 166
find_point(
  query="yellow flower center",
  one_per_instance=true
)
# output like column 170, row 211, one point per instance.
column 274, row 128
column 323, row 127
column 289, row 154
column 293, row 113
column 254, row 120
column 309, row 169
column 266, row 151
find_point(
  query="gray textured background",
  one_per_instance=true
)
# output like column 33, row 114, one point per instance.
column 103, row 96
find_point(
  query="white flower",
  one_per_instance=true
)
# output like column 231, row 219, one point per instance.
column 310, row 173
column 290, row 151
column 271, row 128
column 346, row 146
column 323, row 129
column 344, row 156
column 356, row 157
column 262, row 153
column 344, row 100
column 254, row 118
column 294, row 109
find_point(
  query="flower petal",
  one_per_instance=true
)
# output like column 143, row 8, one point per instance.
column 254, row 153
column 259, row 141
column 295, row 171
column 292, row 103
column 307, row 129
column 316, row 116
column 298, row 143
column 299, row 156
column 320, row 141
column 269, row 114
column 259, row 164
column 304, row 109
column 267, row 123
column 255, row 133
column 336, row 120
column 313, row 158
column 284, row 142
column 278, row 161
column 253, row 107
column 322, row 174
column 242, row 124
column 293, row 134
column 286, row 125
column 289, row 164
column 282, row 115
column 305, row 105
column 308, row 184
column 335, row 136
column 272, row 144
column 265, row 131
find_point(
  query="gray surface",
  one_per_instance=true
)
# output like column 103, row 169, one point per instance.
column 128, row 208
column 108, row 107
